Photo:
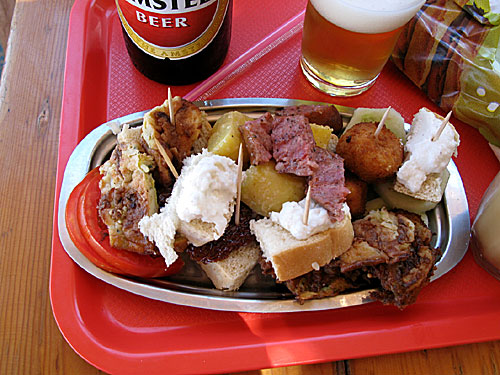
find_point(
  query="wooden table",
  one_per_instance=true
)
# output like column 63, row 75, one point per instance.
column 30, row 107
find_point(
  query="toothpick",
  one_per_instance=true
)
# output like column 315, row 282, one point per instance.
column 238, row 185
column 171, row 107
column 167, row 159
column 441, row 128
column 381, row 123
column 305, row 218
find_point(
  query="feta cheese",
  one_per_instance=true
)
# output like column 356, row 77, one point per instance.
column 208, row 189
column 291, row 218
column 425, row 156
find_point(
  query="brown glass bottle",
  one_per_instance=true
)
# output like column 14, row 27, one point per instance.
column 182, row 64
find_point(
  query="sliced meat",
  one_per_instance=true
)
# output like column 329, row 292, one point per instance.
column 257, row 137
column 328, row 183
column 293, row 145
column 317, row 114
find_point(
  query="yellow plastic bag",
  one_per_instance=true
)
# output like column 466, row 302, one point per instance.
column 451, row 50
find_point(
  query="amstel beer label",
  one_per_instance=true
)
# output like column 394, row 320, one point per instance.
column 173, row 29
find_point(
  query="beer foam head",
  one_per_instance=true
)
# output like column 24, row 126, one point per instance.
column 368, row 16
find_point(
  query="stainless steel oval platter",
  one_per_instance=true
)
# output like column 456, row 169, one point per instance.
column 449, row 222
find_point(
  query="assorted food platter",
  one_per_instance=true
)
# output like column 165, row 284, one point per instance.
column 449, row 223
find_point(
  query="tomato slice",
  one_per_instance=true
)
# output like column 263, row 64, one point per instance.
column 96, row 237
column 75, row 233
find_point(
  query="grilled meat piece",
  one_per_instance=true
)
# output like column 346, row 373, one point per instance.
column 328, row 183
column 391, row 251
column 317, row 114
column 293, row 145
column 402, row 281
column 257, row 138
column 391, row 233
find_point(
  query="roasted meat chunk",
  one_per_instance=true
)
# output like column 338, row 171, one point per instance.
column 317, row 114
column 257, row 138
column 391, row 251
column 293, row 145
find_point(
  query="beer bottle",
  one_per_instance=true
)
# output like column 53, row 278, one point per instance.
column 176, row 42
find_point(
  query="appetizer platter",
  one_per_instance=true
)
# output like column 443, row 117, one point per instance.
column 448, row 221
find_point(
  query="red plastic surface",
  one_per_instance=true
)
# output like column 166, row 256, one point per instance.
column 119, row 332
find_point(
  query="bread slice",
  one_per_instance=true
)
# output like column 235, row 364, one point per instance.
column 431, row 190
column 230, row 273
column 291, row 257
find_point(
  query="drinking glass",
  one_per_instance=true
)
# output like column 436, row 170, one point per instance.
column 346, row 43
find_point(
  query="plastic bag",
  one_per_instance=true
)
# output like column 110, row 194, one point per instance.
column 451, row 50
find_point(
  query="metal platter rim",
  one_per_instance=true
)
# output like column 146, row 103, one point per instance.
column 80, row 162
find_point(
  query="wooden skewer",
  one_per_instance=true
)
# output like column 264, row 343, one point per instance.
column 167, row 159
column 171, row 107
column 381, row 123
column 238, row 185
column 441, row 128
column 305, row 218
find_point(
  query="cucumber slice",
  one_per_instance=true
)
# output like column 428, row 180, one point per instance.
column 394, row 121
column 399, row 200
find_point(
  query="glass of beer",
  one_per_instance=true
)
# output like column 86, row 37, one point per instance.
column 346, row 43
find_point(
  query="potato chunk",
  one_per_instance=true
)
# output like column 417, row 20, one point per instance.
column 265, row 190
column 322, row 134
column 226, row 137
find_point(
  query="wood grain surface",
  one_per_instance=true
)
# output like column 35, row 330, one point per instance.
column 30, row 108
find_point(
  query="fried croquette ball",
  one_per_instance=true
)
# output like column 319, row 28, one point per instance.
column 369, row 157
column 356, row 200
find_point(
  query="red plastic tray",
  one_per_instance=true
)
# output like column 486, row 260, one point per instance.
column 119, row 332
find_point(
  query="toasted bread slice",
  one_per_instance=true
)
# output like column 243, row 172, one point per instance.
column 431, row 190
column 291, row 257
column 230, row 273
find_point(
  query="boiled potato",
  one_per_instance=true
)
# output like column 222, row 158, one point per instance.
column 322, row 135
column 265, row 190
column 226, row 137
